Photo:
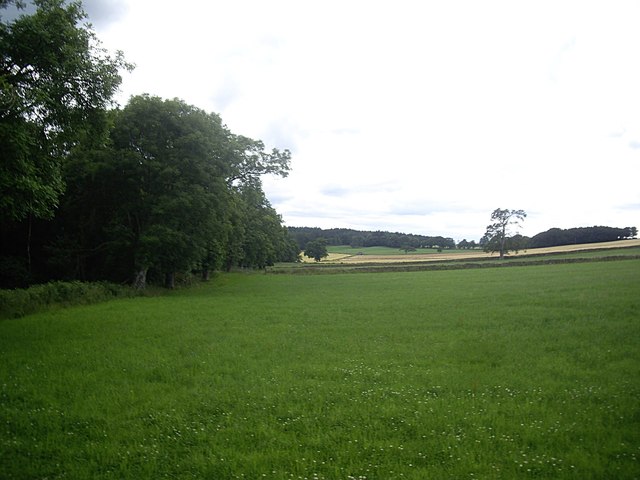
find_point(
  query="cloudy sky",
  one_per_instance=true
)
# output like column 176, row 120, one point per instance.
column 412, row 116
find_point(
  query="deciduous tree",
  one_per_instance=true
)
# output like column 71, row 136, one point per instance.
column 495, row 238
column 316, row 249
column 55, row 81
column 170, row 181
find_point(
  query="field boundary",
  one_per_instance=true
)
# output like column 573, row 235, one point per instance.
column 461, row 264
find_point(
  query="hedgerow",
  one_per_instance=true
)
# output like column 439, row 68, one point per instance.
column 19, row 302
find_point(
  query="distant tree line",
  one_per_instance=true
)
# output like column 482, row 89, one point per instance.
column 496, row 238
column 130, row 195
column 557, row 236
column 358, row 238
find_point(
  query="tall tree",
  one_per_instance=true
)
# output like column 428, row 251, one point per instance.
column 55, row 83
column 170, row 183
column 498, row 232
column 189, row 192
column 55, row 80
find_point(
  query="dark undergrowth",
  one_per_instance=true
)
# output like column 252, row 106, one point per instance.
column 24, row 301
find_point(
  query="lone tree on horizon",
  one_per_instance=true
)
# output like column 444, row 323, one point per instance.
column 495, row 238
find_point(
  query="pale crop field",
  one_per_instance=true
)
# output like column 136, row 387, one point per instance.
column 525, row 372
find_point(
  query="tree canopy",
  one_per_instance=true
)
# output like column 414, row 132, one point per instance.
column 55, row 82
column 316, row 249
column 558, row 236
column 497, row 237
column 88, row 191
column 358, row 238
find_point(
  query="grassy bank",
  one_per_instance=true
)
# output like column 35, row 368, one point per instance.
column 525, row 372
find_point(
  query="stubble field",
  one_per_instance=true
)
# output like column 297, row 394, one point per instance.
column 526, row 372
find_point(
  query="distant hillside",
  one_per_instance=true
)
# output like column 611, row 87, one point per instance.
column 557, row 236
column 363, row 238
column 359, row 238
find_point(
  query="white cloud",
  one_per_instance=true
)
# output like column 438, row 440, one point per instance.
column 413, row 116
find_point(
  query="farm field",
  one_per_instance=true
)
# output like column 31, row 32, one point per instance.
column 525, row 372
column 346, row 254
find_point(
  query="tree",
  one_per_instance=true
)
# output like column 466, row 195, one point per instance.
column 185, row 195
column 55, row 82
column 263, row 232
column 316, row 249
column 169, row 178
column 497, row 234
column 248, row 160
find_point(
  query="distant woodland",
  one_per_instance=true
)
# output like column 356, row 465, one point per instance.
column 557, row 236
column 549, row 238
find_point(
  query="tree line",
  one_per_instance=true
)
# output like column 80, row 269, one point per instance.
column 92, row 191
column 360, row 238
column 497, row 238
column 558, row 236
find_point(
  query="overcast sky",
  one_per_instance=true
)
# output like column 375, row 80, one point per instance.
column 412, row 116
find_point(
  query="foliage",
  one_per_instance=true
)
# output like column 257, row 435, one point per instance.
column 248, row 160
column 501, row 373
column 264, row 239
column 466, row 245
column 497, row 236
column 55, row 83
column 20, row 302
column 357, row 238
column 557, row 236
column 168, row 190
column 170, row 183
column 159, row 187
column 316, row 249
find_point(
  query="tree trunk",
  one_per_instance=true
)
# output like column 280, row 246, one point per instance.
column 170, row 280
column 140, row 280
column 205, row 274
column 29, row 248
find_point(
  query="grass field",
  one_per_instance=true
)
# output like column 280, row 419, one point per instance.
column 348, row 250
column 525, row 372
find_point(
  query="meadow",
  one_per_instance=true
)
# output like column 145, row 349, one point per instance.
column 521, row 372
column 348, row 250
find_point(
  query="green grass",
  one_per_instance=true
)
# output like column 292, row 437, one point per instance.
column 524, row 372
column 348, row 250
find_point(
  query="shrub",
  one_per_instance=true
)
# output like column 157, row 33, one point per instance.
column 19, row 302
